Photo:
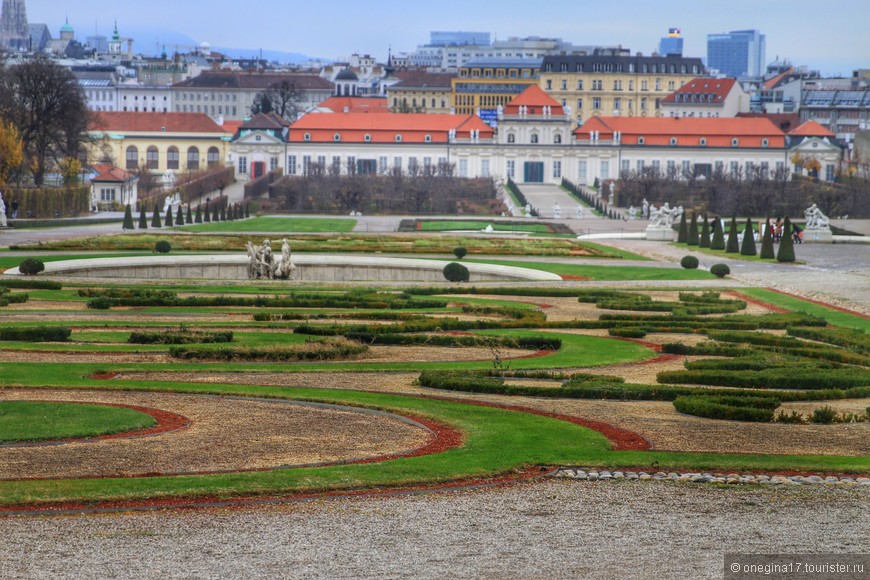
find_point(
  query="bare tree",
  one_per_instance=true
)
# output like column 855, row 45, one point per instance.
column 47, row 106
column 282, row 98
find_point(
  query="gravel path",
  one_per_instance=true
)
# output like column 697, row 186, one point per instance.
column 553, row 529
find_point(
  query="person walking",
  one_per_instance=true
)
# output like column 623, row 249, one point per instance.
column 14, row 207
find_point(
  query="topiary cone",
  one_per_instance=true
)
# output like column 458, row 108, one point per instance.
column 704, row 240
column 179, row 217
column 747, row 248
column 128, row 218
column 731, row 246
column 155, row 221
column 206, row 214
column 168, row 219
column 683, row 234
column 198, row 217
column 143, row 220
column 767, row 252
column 786, row 245
column 693, row 240
column 188, row 219
column 718, row 241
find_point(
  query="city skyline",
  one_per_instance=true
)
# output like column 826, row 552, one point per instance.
column 790, row 30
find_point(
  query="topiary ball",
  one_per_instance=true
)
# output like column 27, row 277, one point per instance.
column 720, row 270
column 456, row 272
column 689, row 262
column 459, row 252
column 31, row 266
column 162, row 247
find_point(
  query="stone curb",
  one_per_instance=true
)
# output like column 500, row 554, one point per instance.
column 697, row 477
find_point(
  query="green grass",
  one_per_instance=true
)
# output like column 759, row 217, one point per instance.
column 612, row 273
column 40, row 421
column 277, row 224
column 833, row 316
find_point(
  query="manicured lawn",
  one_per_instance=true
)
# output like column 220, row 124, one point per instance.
column 277, row 224
column 41, row 421
column 833, row 316
column 466, row 225
column 614, row 273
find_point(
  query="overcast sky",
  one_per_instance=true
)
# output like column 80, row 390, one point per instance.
column 830, row 36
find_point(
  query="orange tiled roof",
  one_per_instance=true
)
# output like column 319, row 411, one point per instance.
column 714, row 92
column 772, row 83
column 383, row 127
column 534, row 99
column 658, row 131
column 111, row 174
column 155, row 123
column 811, row 129
column 356, row 104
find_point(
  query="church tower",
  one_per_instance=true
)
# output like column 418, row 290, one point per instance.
column 14, row 30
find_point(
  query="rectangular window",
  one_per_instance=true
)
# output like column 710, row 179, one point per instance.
column 581, row 170
column 617, row 103
column 484, row 167
column 765, row 169
column 336, row 164
column 639, row 165
column 397, row 163
column 625, row 166
column 291, row 165
column 596, row 102
column 306, row 164
column 580, row 84
column 412, row 165
column 382, row 164
column 657, row 165
column 273, row 164
column 243, row 165
column 427, row 162
column 511, row 168
column 579, row 104
column 672, row 168
column 829, row 172
column 321, row 161
column 463, row 168
column 686, row 167
column 605, row 169
column 720, row 166
column 557, row 169
column 735, row 168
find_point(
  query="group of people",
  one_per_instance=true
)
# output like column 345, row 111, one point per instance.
column 776, row 230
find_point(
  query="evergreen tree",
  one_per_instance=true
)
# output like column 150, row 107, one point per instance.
column 179, row 217
column 683, row 234
column 747, row 248
column 168, row 219
column 155, row 221
column 216, row 214
column 206, row 215
column 231, row 213
column 718, row 241
column 786, row 245
column 198, row 217
column 128, row 218
column 704, row 240
column 693, row 240
column 223, row 213
column 767, row 252
column 189, row 218
column 143, row 220
column 732, row 247
column 247, row 210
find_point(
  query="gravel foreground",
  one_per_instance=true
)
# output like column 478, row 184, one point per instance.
column 549, row 529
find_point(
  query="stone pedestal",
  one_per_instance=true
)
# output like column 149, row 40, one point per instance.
column 824, row 236
column 660, row 234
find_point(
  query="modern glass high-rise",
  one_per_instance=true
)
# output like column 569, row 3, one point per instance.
column 672, row 43
column 736, row 53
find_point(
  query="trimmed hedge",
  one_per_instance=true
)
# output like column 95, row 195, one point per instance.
column 776, row 378
column 730, row 408
column 312, row 351
column 452, row 340
column 31, row 266
column 28, row 284
column 689, row 262
column 181, row 336
column 456, row 272
column 36, row 334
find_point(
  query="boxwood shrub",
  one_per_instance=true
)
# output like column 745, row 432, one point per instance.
column 36, row 334
column 689, row 262
column 31, row 266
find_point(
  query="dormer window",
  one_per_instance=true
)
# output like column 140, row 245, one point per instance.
column 336, row 137
column 306, row 137
column 735, row 142
column 702, row 142
column 673, row 141
column 641, row 140
column 398, row 138
column 765, row 142
column 427, row 138
column 367, row 138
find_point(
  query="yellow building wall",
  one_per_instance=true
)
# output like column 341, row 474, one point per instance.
column 114, row 146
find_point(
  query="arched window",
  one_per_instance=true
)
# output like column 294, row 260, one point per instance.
column 735, row 142
column 765, row 142
column 336, row 137
column 132, row 157
column 214, row 157
column 152, row 159
column 673, row 140
column 367, row 138
column 398, row 138
column 172, row 158
column 557, row 138
column 193, row 158
column 641, row 140
column 306, row 137
column 534, row 137
column 427, row 138
column 512, row 138
column 703, row 142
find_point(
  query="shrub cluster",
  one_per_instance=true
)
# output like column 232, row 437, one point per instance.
column 456, row 272
column 689, row 262
column 27, row 284
column 31, row 266
column 331, row 349
column 756, row 409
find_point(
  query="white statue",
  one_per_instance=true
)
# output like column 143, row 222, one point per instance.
column 172, row 201
column 816, row 220
column 488, row 229
column 557, row 211
column 3, row 223
column 632, row 212
column 264, row 264
column 578, row 214
column 645, row 209
column 661, row 216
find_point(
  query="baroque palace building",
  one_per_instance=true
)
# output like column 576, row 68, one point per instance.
column 611, row 82
column 538, row 141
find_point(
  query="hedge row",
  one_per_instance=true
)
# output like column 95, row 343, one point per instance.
column 180, row 337
column 452, row 340
column 852, row 339
column 735, row 409
column 312, row 351
column 776, row 378
column 36, row 334
column 31, row 284
column 262, row 301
